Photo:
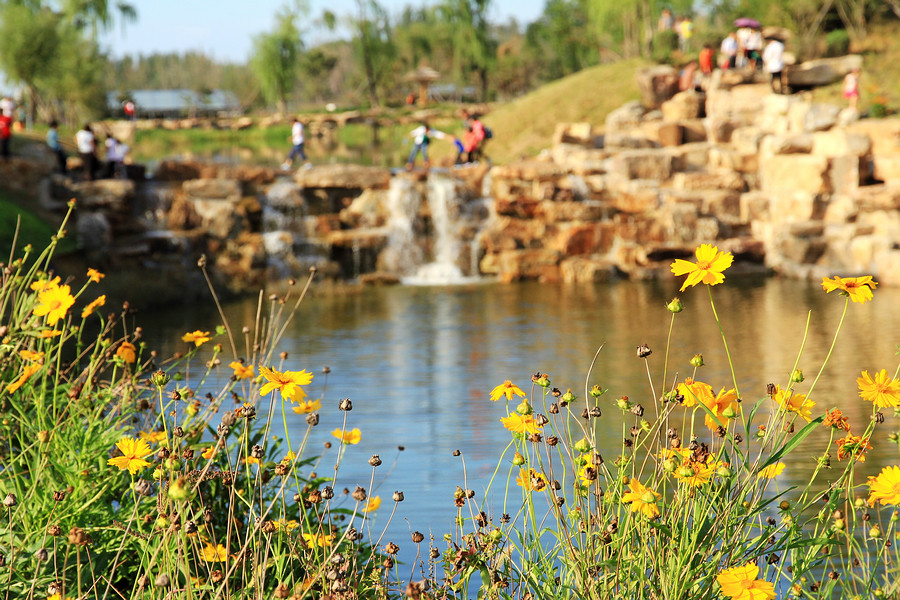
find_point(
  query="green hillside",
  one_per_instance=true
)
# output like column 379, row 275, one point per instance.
column 525, row 126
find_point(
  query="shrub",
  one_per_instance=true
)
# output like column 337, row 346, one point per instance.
column 837, row 43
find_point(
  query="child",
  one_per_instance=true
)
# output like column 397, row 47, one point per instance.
column 851, row 87
column 421, row 140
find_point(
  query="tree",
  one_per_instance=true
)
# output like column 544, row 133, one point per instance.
column 276, row 58
column 563, row 38
column 29, row 46
column 374, row 45
column 474, row 47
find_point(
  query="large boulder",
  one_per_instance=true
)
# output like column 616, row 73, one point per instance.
column 684, row 105
column 643, row 164
column 657, row 84
column 795, row 172
column 625, row 118
column 344, row 176
column 822, row 71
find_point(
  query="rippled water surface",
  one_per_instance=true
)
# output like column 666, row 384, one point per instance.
column 419, row 364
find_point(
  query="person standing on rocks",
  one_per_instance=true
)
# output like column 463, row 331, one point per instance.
column 86, row 145
column 421, row 138
column 298, row 142
column 5, row 134
column 773, row 63
column 851, row 87
column 55, row 146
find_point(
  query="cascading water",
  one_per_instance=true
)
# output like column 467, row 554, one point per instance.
column 402, row 254
column 449, row 216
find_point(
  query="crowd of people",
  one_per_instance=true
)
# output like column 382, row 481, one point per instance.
column 748, row 46
column 116, row 152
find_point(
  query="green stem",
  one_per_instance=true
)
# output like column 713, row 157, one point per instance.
column 830, row 350
column 724, row 342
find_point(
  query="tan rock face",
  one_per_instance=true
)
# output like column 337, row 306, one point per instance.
column 642, row 164
column 798, row 172
column 657, row 84
column 344, row 176
column 684, row 105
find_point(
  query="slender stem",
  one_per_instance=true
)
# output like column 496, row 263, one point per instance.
column 724, row 342
column 831, row 349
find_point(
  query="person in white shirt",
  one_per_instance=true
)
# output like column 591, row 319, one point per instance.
column 773, row 63
column 84, row 142
column 7, row 106
column 297, row 142
column 729, row 49
column 115, row 158
column 754, row 48
column 421, row 136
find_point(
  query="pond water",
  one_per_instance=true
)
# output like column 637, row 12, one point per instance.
column 419, row 364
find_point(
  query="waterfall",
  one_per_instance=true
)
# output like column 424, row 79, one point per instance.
column 447, row 222
column 402, row 254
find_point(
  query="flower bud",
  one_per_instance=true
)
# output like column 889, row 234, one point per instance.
column 524, row 408
column 398, row 496
column 596, row 392
column 160, row 379
column 645, row 425
column 669, row 465
column 570, row 397
column 623, row 403
column 838, row 525
column 583, row 445
column 496, row 535
column 797, row 376
column 875, row 532
column 178, row 490
column 729, row 413
column 685, row 472
column 697, row 360
column 724, row 472
column 859, row 503
column 675, row 306
column 162, row 523
column 518, row 459
column 540, row 379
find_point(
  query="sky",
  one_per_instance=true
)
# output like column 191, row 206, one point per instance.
column 224, row 28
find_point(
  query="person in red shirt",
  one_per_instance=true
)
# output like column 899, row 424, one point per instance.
column 706, row 59
column 5, row 135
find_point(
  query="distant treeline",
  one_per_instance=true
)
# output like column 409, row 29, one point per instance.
column 51, row 48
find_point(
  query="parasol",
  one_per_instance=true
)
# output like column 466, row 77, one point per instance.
column 747, row 22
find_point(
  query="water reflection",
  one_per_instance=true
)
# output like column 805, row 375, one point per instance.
column 419, row 364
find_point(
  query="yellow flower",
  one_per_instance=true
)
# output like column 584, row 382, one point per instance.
column 316, row 539
column 694, row 473
column 531, row 480
column 287, row 382
column 858, row 288
column 642, row 499
column 251, row 460
column 724, row 406
column 55, row 302
column 307, row 406
column 209, row 452
column 771, row 471
column 215, row 553
column 27, row 372
column 242, row 371
column 57, row 596
column 285, row 525
column 348, row 437
column 372, row 505
column 885, row 487
column 797, row 403
column 883, row 391
column 49, row 333
column 95, row 275
column 198, row 337
column 741, row 583
column 153, row 437
column 127, row 352
column 708, row 268
column 693, row 392
column 40, row 286
column 89, row 309
column 133, row 453
column 32, row 356
column 508, row 389
column 853, row 445
column 520, row 424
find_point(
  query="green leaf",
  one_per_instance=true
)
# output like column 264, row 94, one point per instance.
column 793, row 442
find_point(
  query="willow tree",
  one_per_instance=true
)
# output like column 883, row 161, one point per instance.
column 474, row 48
column 374, row 45
column 276, row 58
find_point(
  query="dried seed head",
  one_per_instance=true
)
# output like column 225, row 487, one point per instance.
column 143, row 487
column 504, row 518
column 434, row 553
column 282, row 591
column 345, row 405
column 552, row 440
column 248, row 412
column 143, row 581
column 41, row 555
column 595, row 412
column 392, row 548
column 398, row 496
column 359, row 494
column 54, row 530
column 375, row 460
column 223, row 430
column 637, row 410
column 771, row 389
column 470, row 493
column 417, row 537
column 456, row 453
column 190, row 527
column 162, row 581
column 554, row 409
column 59, row 496
column 229, row 418
column 312, row 419
column 79, row 537
column 353, row 534
column 327, row 492
column 540, row 420
column 10, row 500
column 643, row 351
column 256, row 451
